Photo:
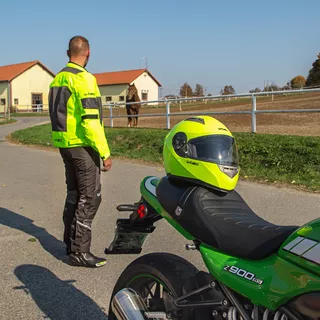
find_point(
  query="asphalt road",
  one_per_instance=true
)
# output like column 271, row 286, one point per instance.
column 36, row 283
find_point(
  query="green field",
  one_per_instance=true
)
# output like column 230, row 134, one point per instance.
column 273, row 159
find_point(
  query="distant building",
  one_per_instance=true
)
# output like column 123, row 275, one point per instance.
column 113, row 85
column 25, row 86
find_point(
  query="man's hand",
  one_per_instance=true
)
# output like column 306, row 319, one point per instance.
column 106, row 164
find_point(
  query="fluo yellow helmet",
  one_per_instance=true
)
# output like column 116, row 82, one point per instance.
column 202, row 150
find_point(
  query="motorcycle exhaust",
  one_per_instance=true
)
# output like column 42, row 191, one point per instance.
column 128, row 305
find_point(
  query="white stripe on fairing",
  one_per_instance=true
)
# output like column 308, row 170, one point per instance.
column 290, row 245
column 149, row 186
column 313, row 254
column 303, row 246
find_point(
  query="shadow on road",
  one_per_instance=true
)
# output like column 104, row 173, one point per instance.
column 58, row 299
column 16, row 221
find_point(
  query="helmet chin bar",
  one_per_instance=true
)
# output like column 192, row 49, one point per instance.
column 229, row 170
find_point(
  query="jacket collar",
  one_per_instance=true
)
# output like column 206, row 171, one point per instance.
column 76, row 66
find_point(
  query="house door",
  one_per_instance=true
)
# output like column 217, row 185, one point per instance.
column 36, row 102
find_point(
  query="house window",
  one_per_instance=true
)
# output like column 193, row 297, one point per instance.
column 2, row 102
column 16, row 101
column 108, row 99
column 121, row 98
column 144, row 96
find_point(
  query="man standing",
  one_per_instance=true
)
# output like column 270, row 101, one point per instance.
column 78, row 131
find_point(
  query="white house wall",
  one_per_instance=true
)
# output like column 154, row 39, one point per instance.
column 34, row 80
column 145, row 83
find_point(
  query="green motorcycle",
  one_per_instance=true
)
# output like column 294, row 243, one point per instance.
column 257, row 270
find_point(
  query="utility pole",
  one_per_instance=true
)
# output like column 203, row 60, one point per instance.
column 205, row 94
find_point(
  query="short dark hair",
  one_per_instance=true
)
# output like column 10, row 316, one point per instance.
column 78, row 45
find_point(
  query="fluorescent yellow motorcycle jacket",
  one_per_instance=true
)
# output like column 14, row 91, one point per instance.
column 76, row 111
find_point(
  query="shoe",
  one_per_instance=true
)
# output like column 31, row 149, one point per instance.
column 86, row 259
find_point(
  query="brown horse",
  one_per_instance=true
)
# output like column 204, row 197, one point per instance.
column 133, row 109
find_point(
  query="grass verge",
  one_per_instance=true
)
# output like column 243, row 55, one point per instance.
column 3, row 121
column 293, row 160
column 30, row 114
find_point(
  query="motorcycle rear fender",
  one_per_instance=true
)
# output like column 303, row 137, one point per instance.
column 129, row 238
column 130, row 234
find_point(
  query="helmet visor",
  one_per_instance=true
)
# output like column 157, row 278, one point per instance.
column 219, row 149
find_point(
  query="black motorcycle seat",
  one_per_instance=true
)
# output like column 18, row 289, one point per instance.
column 221, row 220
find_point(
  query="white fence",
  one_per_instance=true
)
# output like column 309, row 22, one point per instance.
column 33, row 108
column 39, row 108
column 253, row 112
column 168, row 114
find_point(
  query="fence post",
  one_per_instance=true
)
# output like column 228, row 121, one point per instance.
column 253, row 114
column 111, row 116
column 168, row 114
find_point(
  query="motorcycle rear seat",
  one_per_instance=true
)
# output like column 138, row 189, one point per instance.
column 221, row 220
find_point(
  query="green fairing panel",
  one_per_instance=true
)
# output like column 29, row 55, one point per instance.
column 270, row 282
column 148, row 192
column 303, row 247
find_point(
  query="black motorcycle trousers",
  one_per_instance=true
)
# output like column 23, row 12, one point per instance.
column 82, row 171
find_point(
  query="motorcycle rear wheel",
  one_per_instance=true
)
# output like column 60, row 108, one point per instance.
column 153, row 274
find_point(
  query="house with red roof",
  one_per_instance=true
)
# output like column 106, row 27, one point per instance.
column 25, row 86
column 113, row 85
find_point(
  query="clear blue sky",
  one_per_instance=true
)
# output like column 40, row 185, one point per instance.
column 212, row 42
